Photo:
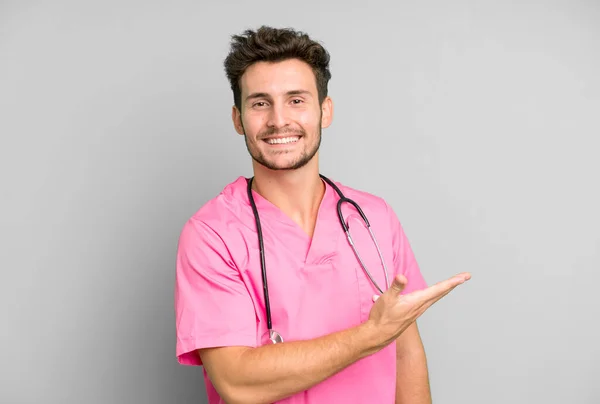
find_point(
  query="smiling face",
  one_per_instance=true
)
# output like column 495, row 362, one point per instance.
column 281, row 116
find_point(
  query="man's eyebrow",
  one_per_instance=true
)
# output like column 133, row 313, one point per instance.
column 257, row 95
column 265, row 95
column 298, row 92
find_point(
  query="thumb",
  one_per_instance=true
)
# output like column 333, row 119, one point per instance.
column 398, row 284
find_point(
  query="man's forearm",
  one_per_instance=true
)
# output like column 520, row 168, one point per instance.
column 412, row 379
column 273, row 372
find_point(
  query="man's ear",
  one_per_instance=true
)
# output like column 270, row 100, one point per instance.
column 236, row 117
column 327, row 111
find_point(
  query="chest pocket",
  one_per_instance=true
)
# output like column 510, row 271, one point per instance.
column 308, row 300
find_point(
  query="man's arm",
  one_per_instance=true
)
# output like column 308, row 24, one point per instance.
column 272, row 372
column 412, row 380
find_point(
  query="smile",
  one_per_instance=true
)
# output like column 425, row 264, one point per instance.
column 283, row 140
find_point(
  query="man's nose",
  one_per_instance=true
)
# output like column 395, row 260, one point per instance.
column 278, row 117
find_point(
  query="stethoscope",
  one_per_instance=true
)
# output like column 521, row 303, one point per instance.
column 274, row 336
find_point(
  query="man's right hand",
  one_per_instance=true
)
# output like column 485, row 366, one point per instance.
column 393, row 312
column 273, row 372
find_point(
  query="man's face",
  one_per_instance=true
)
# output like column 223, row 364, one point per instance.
column 281, row 117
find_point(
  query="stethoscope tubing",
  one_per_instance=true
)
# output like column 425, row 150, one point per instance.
column 344, row 225
column 261, row 249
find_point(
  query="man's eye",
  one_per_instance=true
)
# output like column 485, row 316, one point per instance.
column 296, row 101
column 259, row 104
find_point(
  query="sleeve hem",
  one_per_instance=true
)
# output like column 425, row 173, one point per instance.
column 186, row 347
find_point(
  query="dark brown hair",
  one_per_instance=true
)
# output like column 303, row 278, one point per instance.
column 273, row 45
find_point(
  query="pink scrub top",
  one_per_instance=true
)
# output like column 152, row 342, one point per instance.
column 316, row 286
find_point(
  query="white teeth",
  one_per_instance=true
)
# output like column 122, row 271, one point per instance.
column 283, row 140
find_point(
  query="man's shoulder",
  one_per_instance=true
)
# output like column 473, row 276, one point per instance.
column 376, row 207
column 219, row 211
column 362, row 197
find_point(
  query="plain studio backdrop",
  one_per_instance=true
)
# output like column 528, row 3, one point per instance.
column 477, row 121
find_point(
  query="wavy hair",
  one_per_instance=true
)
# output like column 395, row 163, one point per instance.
column 273, row 45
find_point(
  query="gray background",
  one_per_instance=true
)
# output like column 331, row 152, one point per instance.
column 477, row 121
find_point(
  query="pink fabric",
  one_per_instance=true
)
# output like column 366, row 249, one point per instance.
column 316, row 286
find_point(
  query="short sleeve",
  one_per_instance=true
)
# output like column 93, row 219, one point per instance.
column 404, row 259
column 212, row 304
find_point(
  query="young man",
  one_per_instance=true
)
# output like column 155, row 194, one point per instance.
column 328, row 327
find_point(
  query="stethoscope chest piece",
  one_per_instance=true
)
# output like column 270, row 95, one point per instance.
column 275, row 337
column 271, row 337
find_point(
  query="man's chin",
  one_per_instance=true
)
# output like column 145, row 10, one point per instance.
column 281, row 165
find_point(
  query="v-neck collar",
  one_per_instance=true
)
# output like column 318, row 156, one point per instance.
column 327, row 228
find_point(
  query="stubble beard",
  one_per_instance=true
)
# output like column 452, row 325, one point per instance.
column 306, row 156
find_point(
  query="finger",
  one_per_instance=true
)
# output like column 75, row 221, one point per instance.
column 375, row 297
column 423, row 306
column 398, row 284
column 427, row 304
column 440, row 289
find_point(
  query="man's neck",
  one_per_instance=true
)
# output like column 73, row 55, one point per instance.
column 297, row 193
